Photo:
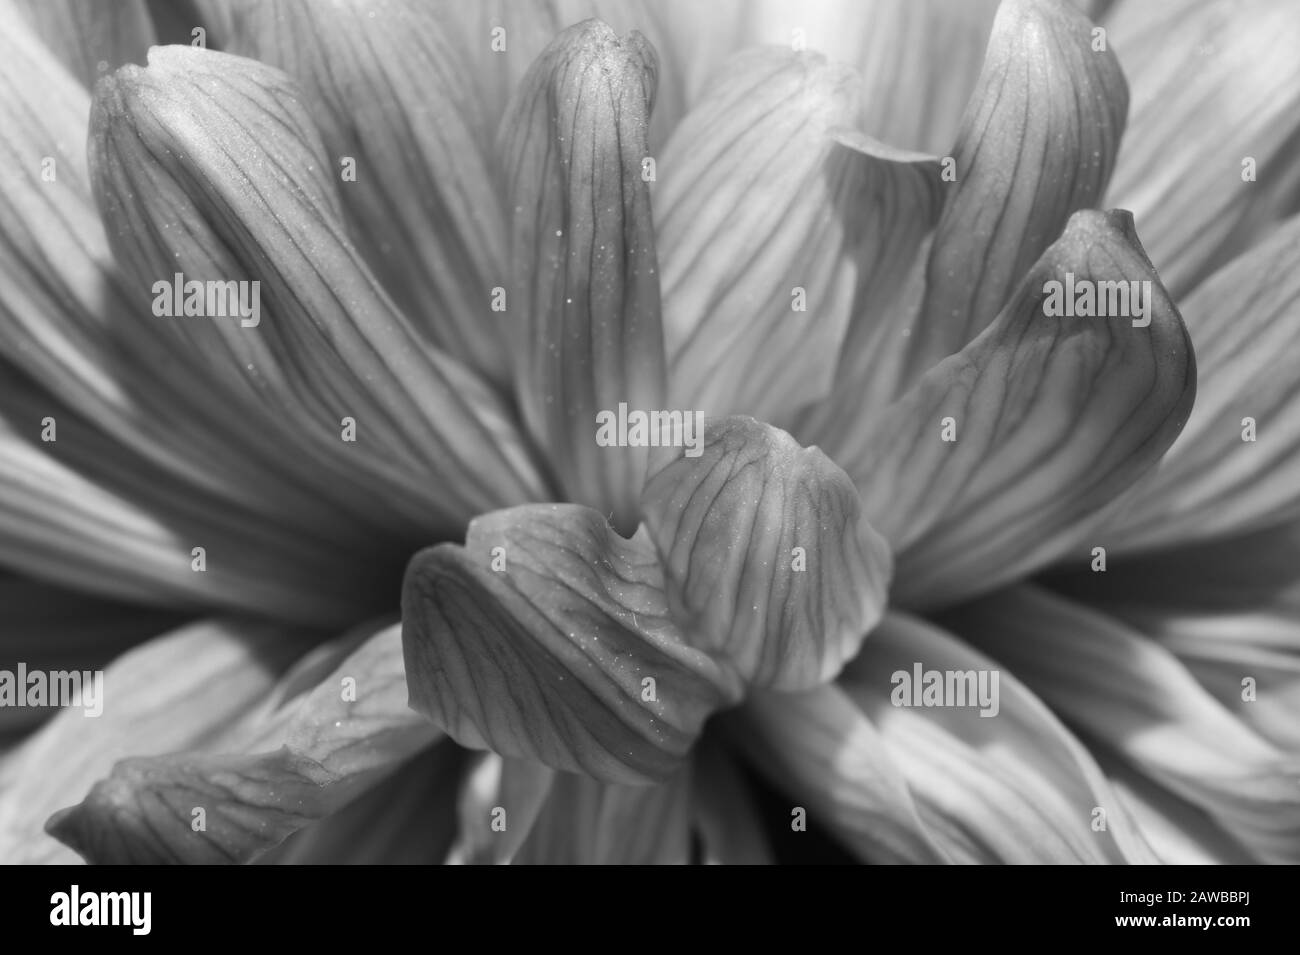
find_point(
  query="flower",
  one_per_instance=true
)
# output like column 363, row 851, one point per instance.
column 356, row 295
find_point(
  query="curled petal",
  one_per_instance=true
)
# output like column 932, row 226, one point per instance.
column 585, row 270
column 201, row 141
column 178, row 691
column 770, row 566
column 998, row 459
column 308, row 760
column 1037, row 143
column 1236, row 467
column 771, row 216
column 547, row 637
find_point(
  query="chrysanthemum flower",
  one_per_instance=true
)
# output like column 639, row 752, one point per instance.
column 479, row 233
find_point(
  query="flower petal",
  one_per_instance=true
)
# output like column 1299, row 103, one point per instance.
column 61, row 307
column 522, row 813
column 771, row 214
column 1196, row 67
column 83, row 513
column 904, row 194
column 1051, row 417
column 311, row 758
column 1228, row 609
column 201, row 141
column 1245, row 322
column 88, row 37
column 499, row 803
column 547, row 637
column 588, row 822
column 407, row 819
column 919, row 58
column 586, row 282
column 769, row 566
column 1179, row 833
column 1137, row 698
column 391, row 94
column 1037, row 143
column 178, row 691
column 1014, row 787
column 501, row 39
column 821, row 750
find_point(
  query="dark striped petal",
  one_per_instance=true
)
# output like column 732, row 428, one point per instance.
column 548, row 637
column 770, row 566
column 179, row 691
column 585, row 305
column 773, row 217
column 1229, row 475
column 1002, row 457
column 305, row 761
column 408, row 143
column 1037, row 143
column 207, row 165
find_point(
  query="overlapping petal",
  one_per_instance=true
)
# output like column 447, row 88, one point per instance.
column 1196, row 67
column 179, row 691
column 1227, row 608
column 1227, row 475
column 997, row 460
column 939, row 783
column 305, row 761
column 234, row 188
column 1135, row 697
column 769, row 565
column 1012, row 786
column 410, row 145
column 1037, row 143
column 407, row 819
column 90, row 38
column 821, row 750
column 772, row 216
column 548, row 637
column 918, row 59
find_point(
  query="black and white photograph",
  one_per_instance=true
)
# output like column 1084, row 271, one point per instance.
column 648, row 432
